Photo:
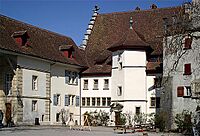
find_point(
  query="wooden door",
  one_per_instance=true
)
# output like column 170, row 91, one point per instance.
column 117, row 118
column 8, row 112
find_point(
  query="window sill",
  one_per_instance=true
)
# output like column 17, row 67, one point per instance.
column 72, row 84
column 95, row 106
column 95, row 88
column 105, row 88
column 186, row 96
column 85, row 89
column 152, row 107
column 185, row 74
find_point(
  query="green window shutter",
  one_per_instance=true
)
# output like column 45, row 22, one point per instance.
column 67, row 77
column 77, row 101
column 55, row 102
column 66, row 100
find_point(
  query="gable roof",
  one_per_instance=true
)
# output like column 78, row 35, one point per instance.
column 43, row 43
column 110, row 28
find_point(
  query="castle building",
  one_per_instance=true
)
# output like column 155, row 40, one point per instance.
column 45, row 78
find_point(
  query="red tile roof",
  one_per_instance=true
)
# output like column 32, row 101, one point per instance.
column 110, row 28
column 130, row 40
column 43, row 43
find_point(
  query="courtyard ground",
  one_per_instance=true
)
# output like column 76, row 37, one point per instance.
column 65, row 131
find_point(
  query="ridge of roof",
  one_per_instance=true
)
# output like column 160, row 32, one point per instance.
column 145, row 10
column 29, row 25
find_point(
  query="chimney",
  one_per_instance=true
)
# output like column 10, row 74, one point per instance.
column 153, row 6
column 90, row 26
column 137, row 8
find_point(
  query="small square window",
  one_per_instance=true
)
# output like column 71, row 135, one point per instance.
column 120, row 65
column 35, row 83
column 119, row 90
column 103, row 101
column 187, row 69
column 98, row 101
column 93, row 101
column 137, row 110
column 85, row 87
column 95, row 84
column 56, row 99
column 88, row 101
column 108, row 101
column 153, row 102
column 34, row 105
column 106, row 84
column 83, row 101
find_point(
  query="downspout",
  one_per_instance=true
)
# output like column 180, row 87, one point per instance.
column 80, row 98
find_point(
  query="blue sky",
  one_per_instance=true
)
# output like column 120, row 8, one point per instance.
column 71, row 17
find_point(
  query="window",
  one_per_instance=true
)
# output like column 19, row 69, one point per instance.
column 98, row 101
column 77, row 101
column 95, row 84
column 108, row 101
column 157, row 82
column 71, row 77
column 57, row 117
column 119, row 91
column 56, row 99
column 180, row 91
column 188, row 90
column 187, row 43
column 153, row 102
column 93, row 101
column 34, row 83
column 137, row 110
column 120, row 61
column 8, row 83
column 106, row 84
column 120, row 66
column 34, row 105
column 85, row 87
column 83, row 101
column 103, row 101
column 67, row 100
column 88, row 101
column 72, row 97
column 74, row 78
column 187, row 69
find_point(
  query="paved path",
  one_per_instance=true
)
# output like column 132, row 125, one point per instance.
column 64, row 131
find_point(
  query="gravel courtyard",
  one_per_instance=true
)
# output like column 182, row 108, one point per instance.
column 65, row 131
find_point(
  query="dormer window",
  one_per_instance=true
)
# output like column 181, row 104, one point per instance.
column 21, row 38
column 67, row 50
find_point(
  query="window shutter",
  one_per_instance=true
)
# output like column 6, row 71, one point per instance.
column 66, row 100
column 77, row 100
column 55, row 100
column 188, row 42
column 67, row 77
column 180, row 91
column 187, row 69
